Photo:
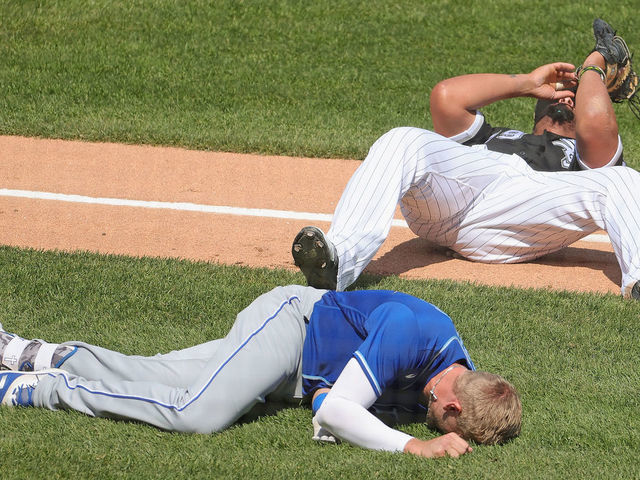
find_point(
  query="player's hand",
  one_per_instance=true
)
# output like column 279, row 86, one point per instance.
column 450, row 444
column 553, row 81
column 321, row 434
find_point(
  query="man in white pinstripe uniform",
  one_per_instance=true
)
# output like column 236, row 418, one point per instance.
column 491, row 194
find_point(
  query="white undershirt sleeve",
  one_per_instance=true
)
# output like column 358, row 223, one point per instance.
column 470, row 132
column 344, row 413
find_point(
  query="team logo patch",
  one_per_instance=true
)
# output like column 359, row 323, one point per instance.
column 568, row 146
column 511, row 135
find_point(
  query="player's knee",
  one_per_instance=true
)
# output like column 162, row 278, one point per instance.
column 400, row 132
column 189, row 423
column 396, row 142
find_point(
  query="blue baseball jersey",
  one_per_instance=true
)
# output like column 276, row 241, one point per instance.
column 400, row 342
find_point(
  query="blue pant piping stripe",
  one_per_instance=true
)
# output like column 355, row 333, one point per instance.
column 176, row 407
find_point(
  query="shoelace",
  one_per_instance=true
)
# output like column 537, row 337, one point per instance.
column 19, row 395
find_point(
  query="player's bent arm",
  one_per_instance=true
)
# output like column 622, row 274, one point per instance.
column 344, row 412
column 454, row 101
column 597, row 137
column 353, row 423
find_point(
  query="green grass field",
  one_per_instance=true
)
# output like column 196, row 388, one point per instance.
column 305, row 78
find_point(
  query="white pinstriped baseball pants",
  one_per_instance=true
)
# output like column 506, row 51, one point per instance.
column 487, row 206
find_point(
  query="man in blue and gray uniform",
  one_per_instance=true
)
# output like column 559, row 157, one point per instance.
column 352, row 354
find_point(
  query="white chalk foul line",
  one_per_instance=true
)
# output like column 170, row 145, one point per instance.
column 182, row 206
column 195, row 207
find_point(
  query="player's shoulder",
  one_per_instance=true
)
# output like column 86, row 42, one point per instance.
column 482, row 132
column 420, row 307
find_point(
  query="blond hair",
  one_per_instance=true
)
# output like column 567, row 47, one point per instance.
column 491, row 410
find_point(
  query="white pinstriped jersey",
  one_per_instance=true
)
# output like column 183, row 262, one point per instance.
column 487, row 206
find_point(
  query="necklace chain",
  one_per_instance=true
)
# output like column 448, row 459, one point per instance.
column 431, row 392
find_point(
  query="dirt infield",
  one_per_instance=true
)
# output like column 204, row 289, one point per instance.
column 31, row 168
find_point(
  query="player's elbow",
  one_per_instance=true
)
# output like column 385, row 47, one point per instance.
column 330, row 413
column 448, row 112
column 440, row 97
column 447, row 97
column 440, row 92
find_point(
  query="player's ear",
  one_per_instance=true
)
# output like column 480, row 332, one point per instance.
column 453, row 407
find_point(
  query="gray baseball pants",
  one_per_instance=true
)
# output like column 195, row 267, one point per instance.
column 202, row 389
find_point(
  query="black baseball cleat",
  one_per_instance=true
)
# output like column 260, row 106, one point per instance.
column 316, row 257
column 635, row 291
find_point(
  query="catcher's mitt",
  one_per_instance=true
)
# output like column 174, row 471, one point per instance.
column 620, row 78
